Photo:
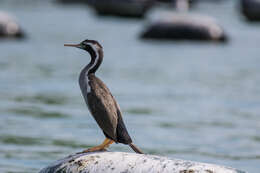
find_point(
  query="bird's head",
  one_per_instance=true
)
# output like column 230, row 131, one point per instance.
column 88, row 45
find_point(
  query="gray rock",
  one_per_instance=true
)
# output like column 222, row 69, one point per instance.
column 251, row 9
column 185, row 27
column 130, row 162
column 122, row 8
column 74, row 1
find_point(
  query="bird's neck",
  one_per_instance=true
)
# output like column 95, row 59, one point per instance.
column 96, row 60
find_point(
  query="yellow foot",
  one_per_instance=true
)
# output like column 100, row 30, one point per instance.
column 101, row 147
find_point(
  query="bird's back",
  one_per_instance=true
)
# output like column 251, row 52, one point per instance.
column 106, row 111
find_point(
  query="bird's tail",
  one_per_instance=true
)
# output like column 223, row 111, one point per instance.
column 135, row 148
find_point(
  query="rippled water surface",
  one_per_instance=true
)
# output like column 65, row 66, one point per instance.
column 188, row 100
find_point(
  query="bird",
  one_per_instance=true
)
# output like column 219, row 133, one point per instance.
column 99, row 100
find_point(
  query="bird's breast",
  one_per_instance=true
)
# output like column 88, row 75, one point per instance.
column 84, row 86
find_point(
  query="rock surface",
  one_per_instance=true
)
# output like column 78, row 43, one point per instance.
column 130, row 162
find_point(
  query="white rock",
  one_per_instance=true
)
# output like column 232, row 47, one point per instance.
column 130, row 162
column 9, row 27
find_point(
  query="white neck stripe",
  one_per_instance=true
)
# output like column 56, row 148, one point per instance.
column 91, row 67
column 96, row 54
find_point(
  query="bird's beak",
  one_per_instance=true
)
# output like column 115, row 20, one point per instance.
column 73, row 45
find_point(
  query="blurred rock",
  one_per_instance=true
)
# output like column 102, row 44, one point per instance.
column 191, row 2
column 174, row 1
column 123, row 8
column 9, row 28
column 185, row 27
column 251, row 9
column 130, row 163
column 74, row 1
column 211, row 1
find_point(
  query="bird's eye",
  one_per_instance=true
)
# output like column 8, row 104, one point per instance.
column 83, row 45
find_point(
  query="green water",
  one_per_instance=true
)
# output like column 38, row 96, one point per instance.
column 187, row 100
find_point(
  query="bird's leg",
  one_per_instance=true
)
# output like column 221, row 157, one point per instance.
column 101, row 147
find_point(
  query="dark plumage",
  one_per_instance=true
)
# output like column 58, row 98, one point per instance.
column 100, row 101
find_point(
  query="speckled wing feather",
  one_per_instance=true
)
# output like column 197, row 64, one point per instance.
column 102, row 107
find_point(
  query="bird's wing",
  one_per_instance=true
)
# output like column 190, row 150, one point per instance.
column 103, row 106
